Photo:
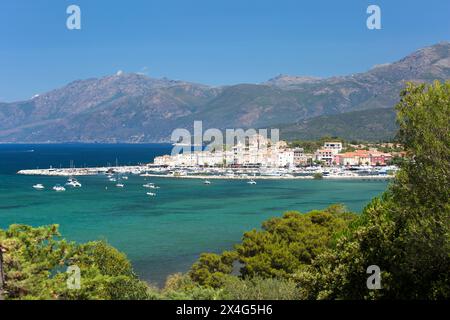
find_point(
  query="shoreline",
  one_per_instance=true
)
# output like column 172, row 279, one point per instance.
column 141, row 171
column 218, row 177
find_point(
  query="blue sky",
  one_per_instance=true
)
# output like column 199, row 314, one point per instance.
column 214, row 42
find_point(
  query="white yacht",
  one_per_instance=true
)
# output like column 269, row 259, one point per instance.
column 207, row 182
column 59, row 188
column 151, row 194
column 39, row 186
column 73, row 183
column 149, row 185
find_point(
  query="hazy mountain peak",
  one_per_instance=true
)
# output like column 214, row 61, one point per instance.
column 425, row 64
column 284, row 80
column 382, row 65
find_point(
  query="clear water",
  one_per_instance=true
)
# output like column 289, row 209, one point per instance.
column 163, row 234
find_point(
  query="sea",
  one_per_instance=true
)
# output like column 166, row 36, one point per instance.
column 164, row 234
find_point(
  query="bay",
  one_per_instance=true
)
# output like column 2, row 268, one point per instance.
column 163, row 234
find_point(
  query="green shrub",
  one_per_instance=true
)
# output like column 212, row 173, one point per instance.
column 260, row 289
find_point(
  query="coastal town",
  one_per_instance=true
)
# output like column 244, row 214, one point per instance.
column 258, row 151
column 257, row 157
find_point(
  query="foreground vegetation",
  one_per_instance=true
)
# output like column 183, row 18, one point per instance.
column 317, row 255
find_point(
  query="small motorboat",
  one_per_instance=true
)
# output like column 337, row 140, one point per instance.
column 120, row 185
column 73, row 183
column 206, row 182
column 59, row 188
column 151, row 194
column 251, row 181
column 149, row 185
column 39, row 186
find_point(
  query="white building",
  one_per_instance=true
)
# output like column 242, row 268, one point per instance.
column 285, row 158
column 255, row 150
column 334, row 146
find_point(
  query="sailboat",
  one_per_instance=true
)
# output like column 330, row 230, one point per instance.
column 119, row 184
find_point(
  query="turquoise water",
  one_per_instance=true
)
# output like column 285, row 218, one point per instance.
column 162, row 234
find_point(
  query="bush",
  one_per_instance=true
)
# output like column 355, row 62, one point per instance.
column 260, row 289
column 277, row 251
column 318, row 176
column 181, row 287
column 212, row 269
column 36, row 260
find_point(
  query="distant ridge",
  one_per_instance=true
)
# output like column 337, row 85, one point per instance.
column 135, row 108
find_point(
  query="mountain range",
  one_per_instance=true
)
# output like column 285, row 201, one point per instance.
column 128, row 107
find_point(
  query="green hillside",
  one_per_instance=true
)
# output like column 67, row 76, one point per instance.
column 368, row 125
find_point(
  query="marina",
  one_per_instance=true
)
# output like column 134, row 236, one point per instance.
column 250, row 159
column 222, row 173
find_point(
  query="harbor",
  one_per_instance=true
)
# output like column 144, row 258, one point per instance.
column 364, row 173
column 250, row 159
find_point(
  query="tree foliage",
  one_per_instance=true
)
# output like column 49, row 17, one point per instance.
column 276, row 251
column 212, row 269
column 258, row 288
column 288, row 242
column 36, row 260
column 407, row 231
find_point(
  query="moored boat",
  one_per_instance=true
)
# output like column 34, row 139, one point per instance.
column 73, row 183
column 59, row 188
